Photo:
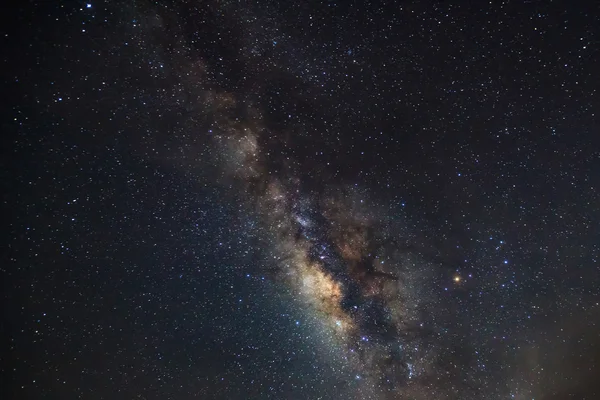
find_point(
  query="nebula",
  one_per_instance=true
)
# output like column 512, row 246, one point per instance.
column 331, row 253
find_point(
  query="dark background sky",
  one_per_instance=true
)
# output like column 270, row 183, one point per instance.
column 132, row 271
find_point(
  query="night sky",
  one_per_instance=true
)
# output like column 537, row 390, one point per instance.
column 301, row 200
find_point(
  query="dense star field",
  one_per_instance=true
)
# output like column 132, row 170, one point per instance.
column 301, row 200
